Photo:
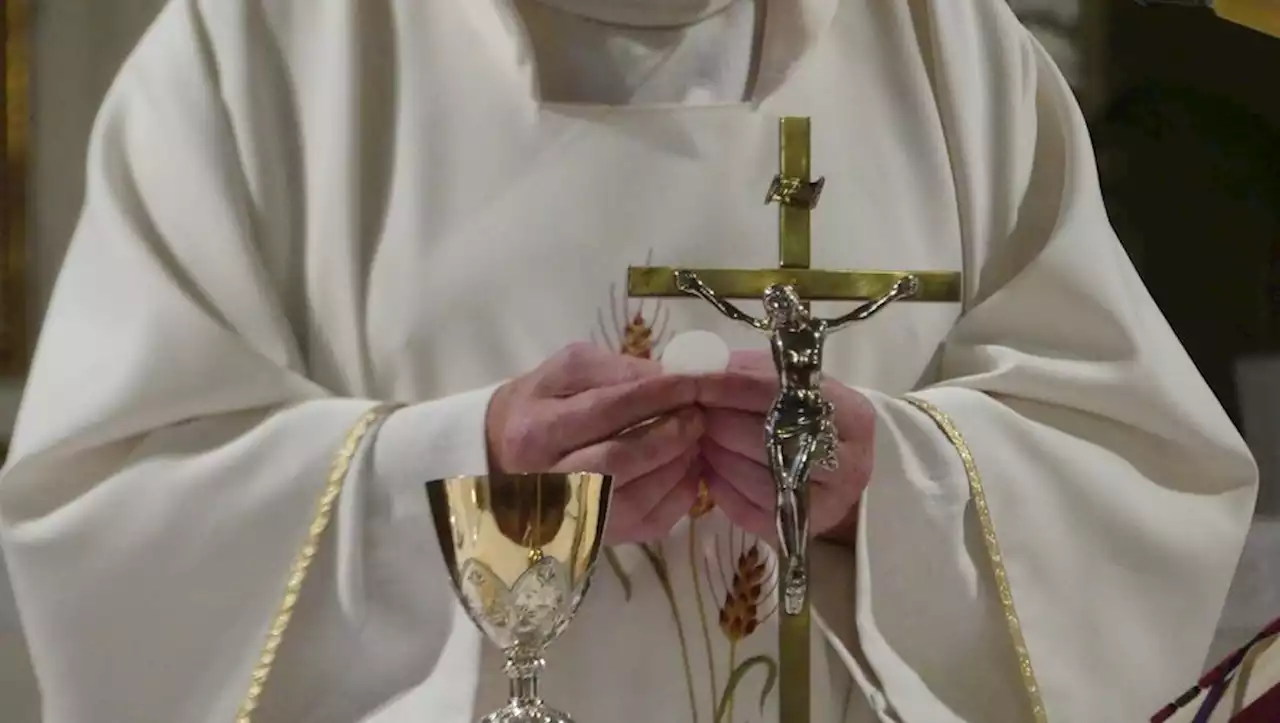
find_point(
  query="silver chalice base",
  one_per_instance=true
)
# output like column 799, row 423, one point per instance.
column 536, row 713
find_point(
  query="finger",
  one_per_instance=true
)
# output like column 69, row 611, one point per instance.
column 750, row 385
column 855, row 421
column 855, row 415
column 750, row 479
column 743, row 433
column 738, row 432
column 627, row 524
column 832, row 492
column 674, row 507
column 853, row 467
column 604, row 413
column 840, row 491
column 829, row 507
column 737, row 390
column 636, row 453
column 757, row 362
column 582, row 366
column 644, row 494
column 740, row 510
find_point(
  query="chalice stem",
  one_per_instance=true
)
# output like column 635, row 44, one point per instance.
column 522, row 671
column 525, row 704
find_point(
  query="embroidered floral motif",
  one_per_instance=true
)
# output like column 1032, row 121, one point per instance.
column 748, row 592
column 748, row 576
column 704, row 504
column 632, row 329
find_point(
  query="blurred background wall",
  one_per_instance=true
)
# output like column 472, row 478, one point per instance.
column 76, row 48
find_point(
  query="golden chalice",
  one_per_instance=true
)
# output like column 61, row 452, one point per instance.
column 520, row 550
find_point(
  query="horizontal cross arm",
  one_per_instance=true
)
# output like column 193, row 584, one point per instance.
column 812, row 284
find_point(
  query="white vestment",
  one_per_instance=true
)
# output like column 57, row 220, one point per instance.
column 299, row 210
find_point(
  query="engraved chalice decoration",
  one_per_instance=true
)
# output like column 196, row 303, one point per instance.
column 520, row 550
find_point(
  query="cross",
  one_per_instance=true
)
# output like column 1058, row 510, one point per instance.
column 796, row 194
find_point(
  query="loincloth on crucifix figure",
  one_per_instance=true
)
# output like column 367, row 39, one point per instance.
column 328, row 254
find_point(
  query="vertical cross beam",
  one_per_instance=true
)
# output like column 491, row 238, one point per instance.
column 794, row 224
column 794, row 175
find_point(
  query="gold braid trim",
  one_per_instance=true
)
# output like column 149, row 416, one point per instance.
column 302, row 563
column 994, row 556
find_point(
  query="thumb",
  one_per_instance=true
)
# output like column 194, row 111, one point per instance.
column 583, row 366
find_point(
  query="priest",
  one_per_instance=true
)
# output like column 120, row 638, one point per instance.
column 333, row 250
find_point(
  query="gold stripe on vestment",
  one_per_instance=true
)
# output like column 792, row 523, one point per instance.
column 994, row 556
column 338, row 472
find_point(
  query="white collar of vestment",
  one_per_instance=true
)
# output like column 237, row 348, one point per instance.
column 792, row 29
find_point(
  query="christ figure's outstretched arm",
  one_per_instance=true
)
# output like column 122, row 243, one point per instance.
column 689, row 283
column 904, row 288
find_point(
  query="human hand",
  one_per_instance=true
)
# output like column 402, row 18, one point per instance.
column 733, row 449
column 587, row 409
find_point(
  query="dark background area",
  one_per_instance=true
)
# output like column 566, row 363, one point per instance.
column 1188, row 138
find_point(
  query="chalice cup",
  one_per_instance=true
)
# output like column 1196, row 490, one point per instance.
column 521, row 549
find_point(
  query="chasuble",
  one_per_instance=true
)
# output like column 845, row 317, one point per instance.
column 299, row 213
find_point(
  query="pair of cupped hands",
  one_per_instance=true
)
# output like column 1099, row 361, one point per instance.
column 587, row 409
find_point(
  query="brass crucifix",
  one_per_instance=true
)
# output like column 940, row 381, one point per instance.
column 799, row 431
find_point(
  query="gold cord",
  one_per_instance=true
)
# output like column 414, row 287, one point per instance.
column 979, row 495
column 302, row 563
